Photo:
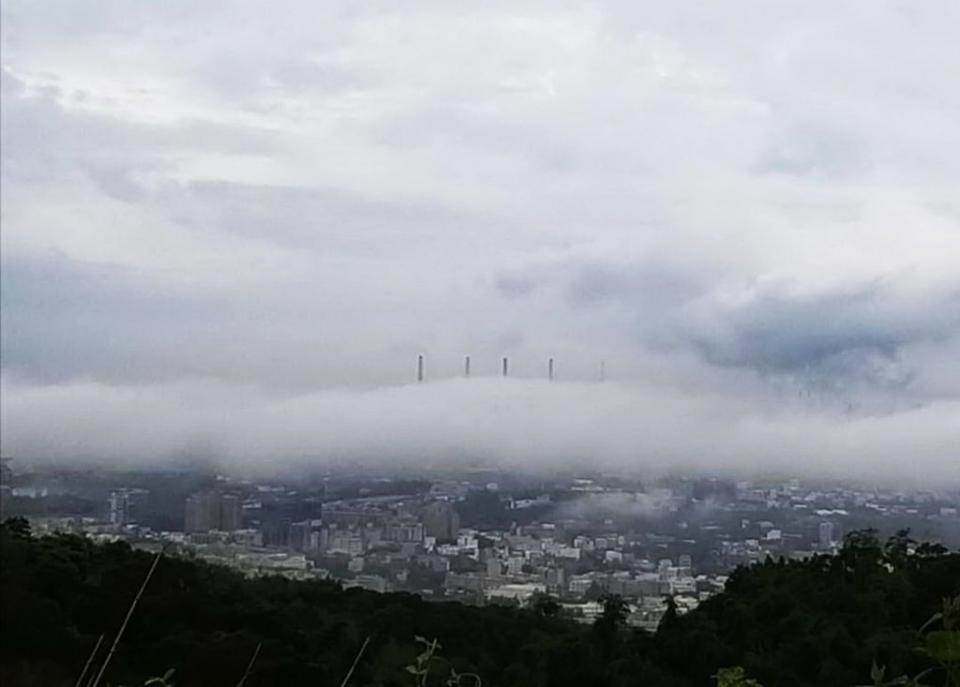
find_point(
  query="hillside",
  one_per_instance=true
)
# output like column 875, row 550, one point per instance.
column 821, row 622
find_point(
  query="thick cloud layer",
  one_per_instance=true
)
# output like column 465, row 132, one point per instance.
column 228, row 231
column 517, row 424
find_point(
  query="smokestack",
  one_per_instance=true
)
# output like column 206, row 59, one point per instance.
column 419, row 368
column 504, row 367
column 550, row 369
column 603, row 370
column 466, row 366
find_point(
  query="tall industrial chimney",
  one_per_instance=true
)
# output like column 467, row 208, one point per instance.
column 550, row 369
column 504, row 367
column 603, row 370
column 466, row 366
column 419, row 368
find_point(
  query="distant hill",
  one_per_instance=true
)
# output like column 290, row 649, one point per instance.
column 819, row 623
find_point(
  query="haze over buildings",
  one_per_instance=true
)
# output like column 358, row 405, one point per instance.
column 239, row 255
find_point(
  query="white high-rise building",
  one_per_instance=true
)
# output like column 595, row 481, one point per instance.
column 126, row 505
column 826, row 535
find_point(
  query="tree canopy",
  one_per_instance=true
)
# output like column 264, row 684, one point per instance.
column 820, row 622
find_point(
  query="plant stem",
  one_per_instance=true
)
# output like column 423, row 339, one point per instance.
column 355, row 661
column 126, row 620
column 86, row 666
column 246, row 673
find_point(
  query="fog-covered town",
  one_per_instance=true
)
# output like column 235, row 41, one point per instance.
column 481, row 537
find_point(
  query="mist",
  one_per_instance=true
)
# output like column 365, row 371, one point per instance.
column 237, row 255
column 524, row 425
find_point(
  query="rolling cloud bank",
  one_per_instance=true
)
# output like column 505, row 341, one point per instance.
column 228, row 231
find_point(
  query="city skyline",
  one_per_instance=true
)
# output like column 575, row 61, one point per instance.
column 581, row 342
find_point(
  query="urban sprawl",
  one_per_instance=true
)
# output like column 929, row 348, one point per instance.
column 481, row 537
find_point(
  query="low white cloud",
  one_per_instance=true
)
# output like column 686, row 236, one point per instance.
column 527, row 425
column 749, row 214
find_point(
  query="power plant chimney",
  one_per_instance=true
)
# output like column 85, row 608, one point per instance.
column 550, row 369
column 603, row 370
column 466, row 366
column 419, row 368
column 504, row 367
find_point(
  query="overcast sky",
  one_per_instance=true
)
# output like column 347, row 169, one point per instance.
column 230, row 228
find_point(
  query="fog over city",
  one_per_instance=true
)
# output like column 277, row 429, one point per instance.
column 228, row 231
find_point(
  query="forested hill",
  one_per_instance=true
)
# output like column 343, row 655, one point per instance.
column 821, row 622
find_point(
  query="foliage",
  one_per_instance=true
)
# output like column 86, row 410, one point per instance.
column 420, row 669
column 820, row 622
column 544, row 604
column 165, row 680
column 735, row 677
column 426, row 660
column 941, row 646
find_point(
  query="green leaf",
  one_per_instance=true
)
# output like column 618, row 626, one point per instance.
column 951, row 613
column 877, row 673
column 734, row 677
column 943, row 646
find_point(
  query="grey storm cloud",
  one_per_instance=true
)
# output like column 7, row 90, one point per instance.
column 769, row 328
column 240, row 226
column 776, row 331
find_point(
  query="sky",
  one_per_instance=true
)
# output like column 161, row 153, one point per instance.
column 230, row 228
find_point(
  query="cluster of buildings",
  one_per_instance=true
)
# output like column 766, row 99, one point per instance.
column 417, row 543
column 213, row 511
column 574, row 539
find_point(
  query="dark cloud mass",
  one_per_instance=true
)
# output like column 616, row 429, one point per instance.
column 778, row 331
column 229, row 231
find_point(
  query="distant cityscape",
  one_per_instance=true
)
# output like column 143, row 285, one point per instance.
column 481, row 537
